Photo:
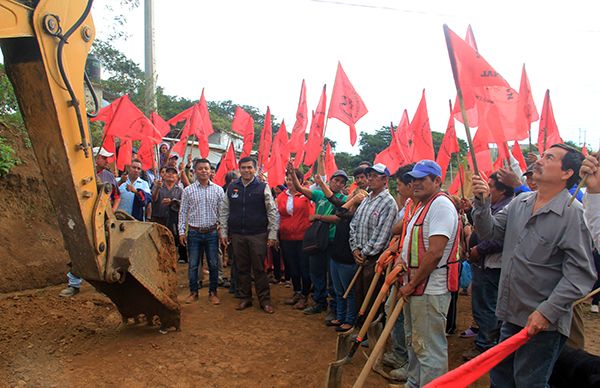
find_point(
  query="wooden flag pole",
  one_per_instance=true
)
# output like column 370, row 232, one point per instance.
column 460, row 97
column 546, row 120
column 460, row 176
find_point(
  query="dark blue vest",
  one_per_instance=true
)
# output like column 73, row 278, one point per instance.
column 247, row 211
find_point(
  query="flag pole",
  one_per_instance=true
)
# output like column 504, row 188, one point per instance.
column 546, row 120
column 460, row 97
column 462, row 188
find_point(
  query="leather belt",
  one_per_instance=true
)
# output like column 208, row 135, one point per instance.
column 203, row 230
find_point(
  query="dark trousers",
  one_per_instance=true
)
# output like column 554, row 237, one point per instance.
column 250, row 252
column 277, row 255
column 452, row 312
column 364, row 281
column 484, row 293
column 531, row 365
column 297, row 262
column 321, row 279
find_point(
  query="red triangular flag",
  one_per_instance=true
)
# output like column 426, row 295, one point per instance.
column 518, row 154
column 330, row 165
column 266, row 139
column 279, row 157
column 448, row 147
column 526, row 111
column 392, row 156
column 405, row 138
column 482, row 155
column 228, row 163
column 309, row 173
column 124, row 157
column 458, row 181
column 197, row 123
column 471, row 110
column 314, row 145
column 548, row 134
column 146, row 154
column 419, row 127
column 243, row 124
column 296, row 143
column 584, row 150
column 163, row 127
column 346, row 105
column 127, row 122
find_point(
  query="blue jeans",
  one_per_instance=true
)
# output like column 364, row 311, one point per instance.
column 531, row 365
column 73, row 281
column 398, row 336
column 341, row 276
column 484, row 294
column 319, row 265
column 197, row 245
column 425, row 326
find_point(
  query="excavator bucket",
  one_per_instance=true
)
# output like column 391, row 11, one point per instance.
column 45, row 45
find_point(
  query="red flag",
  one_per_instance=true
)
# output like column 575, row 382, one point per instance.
column 296, row 143
column 404, row 137
column 330, row 165
column 458, row 181
column 518, row 154
column 298, row 159
column 243, row 124
column 548, row 134
column 526, row 111
column 448, row 147
column 266, row 139
column 584, row 150
column 484, row 87
column 314, row 145
column 124, row 157
column 228, row 163
column 346, row 105
column 124, row 120
column 279, row 157
column 472, row 370
column 392, row 157
column 309, row 173
column 422, row 141
column 163, row 127
column 471, row 110
column 482, row 154
column 146, row 154
column 197, row 123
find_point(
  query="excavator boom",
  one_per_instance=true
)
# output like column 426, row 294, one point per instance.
column 45, row 45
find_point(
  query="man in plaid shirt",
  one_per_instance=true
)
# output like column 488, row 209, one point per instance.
column 371, row 227
column 199, row 211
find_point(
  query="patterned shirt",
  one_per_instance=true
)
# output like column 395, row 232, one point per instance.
column 200, row 206
column 371, row 227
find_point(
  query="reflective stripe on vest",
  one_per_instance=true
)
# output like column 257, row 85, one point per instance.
column 418, row 250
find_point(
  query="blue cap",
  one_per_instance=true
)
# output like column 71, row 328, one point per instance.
column 378, row 168
column 424, row 168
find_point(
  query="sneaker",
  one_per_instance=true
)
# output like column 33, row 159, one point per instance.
column 400, row 373
column 72, row 291
column 301, row 304
column 470, row 332
column 330, row 316
column 316, row 309
column 293, row 300
column 214, row 299
column 181, row 261
column 471, row 354
column 594, row 308
column 193, row 297
column 392, row 360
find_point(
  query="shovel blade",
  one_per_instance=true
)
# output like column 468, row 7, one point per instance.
column 343, row 344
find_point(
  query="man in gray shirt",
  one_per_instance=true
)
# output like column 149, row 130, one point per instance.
column 546, row 265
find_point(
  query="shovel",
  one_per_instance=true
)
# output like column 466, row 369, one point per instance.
column 334, row 371
column 364, row 373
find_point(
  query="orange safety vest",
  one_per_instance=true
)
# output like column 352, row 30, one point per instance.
column 417, row 250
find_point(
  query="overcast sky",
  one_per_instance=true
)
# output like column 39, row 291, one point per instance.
column 258, row 52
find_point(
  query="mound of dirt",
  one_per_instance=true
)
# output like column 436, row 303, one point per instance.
column 32, row 254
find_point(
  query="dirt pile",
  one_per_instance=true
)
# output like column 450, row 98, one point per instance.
column 32, row 254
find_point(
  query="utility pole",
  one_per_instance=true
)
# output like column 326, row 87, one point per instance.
column 150, row 95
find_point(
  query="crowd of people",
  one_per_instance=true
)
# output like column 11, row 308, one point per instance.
column 530, row 252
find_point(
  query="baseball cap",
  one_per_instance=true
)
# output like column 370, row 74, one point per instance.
column 424, row 168
column 171, row 168
column 378, row 168
column 174, row 155
column 102, row 152
column 341, row 173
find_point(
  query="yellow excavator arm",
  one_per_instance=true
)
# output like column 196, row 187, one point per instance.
column 45, row 45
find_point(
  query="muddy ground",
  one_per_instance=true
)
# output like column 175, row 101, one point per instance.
column 48, row 341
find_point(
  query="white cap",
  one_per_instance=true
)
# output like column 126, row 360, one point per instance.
column 102, row 152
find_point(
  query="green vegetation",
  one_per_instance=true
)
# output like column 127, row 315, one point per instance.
column 8, row 157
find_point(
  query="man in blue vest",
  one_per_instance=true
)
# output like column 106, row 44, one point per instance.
column 429, row 249
column 248, row 220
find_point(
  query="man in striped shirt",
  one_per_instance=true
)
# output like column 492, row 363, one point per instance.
column 199, row 212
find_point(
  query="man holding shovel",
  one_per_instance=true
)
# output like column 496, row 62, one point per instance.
column 546, row 265
column 430, row 250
